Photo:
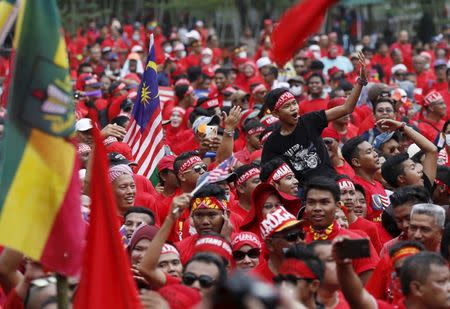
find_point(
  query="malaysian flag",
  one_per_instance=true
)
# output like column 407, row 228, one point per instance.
column 145, row 134
column 165, row 94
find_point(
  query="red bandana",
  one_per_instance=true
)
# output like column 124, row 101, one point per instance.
column 254, row 131
column 188, row 163
column 247, row 175
column 208, row 202
column 287, row 96
column 346, row 184
column 281, row 172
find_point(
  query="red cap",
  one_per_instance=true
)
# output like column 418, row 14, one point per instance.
column 213, row 244
column 166, row 163
column 333, row 70
column 277, row 221
column 432, row 97
column 336, row 102
column 241, row 239
column 180, row 296
column 121, row 148
column 330, row 132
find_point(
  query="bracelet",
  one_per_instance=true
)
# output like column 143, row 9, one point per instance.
column 229, row 133
column 362, row 82
column 402, row 127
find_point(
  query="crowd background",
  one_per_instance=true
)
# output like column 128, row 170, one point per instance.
column 349, row 140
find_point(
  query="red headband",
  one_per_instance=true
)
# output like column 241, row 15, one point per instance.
column 404, row 252
column 168, row 248
column 345, row 184
column 283, row 99
column 259, row 88
column 281, row 172
column 257, row 130
column 247, row 175
column 209, row 202
column 265, row 137
column 188, row 163
column 210, row 103
column 297, row 268
column 245, row 238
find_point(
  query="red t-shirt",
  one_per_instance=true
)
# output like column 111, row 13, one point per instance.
column 446, row 95
column 186, row 246
column 376, row 198
column 312, row 105
column 430, row 129
column 345, row 169
column 359, row 265
column 236, row 209
column 371, row 230
column 243, row 156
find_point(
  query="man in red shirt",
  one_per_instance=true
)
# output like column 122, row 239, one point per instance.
column 440, row 83
column 252, row 131
column 446, row 93
column 424, row 77
column 331, row 140
column 433, row 118
column 317, row 99
column 383, row 59
column 246, row 181
column 364, row 160
column 405, row 47
column 322, row 195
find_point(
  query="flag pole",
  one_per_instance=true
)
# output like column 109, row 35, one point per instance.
column 62, row 291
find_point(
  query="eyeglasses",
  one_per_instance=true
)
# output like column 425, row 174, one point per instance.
column 197, row 168
column 204, row 280
column 289, row 278
column 292, row 236
column 252, row 253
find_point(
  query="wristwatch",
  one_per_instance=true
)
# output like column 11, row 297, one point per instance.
column 361, row 81
column 229, row 133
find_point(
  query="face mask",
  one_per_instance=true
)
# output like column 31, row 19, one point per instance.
column 135, row 37
column 242, row 54
column 427, row 66
column 296, row 90
column 447, row 139
column 206, row 60
column 168, row 49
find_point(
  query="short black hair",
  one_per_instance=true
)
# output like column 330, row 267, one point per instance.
column 120, row 120
column 268, row 167
column 223, row 71
column 409, row 194
column 417, row 268
column 211, row 190
column 325, row 184
column 446, row 124
column 350, row 149
column 272, row 97
column 345, row 85
column 316, row 75
column 359, row 188
column 403, row 244
column 209, row 258
column 273, row 70
column 333, row 93
column 194, row 73
column 303, row 253
column 180, row 90
column 316, row 65
column 181, row 158
column 393, row 167
column 140, row 210
column 382, row 100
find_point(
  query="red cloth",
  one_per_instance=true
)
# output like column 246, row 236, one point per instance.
column 351, row 132
column 106, row 279
column 366, row 124
column 243, row 156
column 342, row 304
column 345, row 169
column 376, row 198
column 384, row 235
column 263, row 271
column 424, row 80
column 446, row 95
column 143, row 185
column 371, row 230
column 430, row 129
column 360, row 265
column 186, row 247
column 381, row 277
column 236, row 209
column 384, row 61
column 13, row 301
column 312, row 105
column 407, row 53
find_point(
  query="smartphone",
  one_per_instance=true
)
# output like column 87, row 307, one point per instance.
column 211, row 131
column 353, row 248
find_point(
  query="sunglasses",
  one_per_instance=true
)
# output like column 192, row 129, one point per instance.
column 288, row 278
column 198, row 168
column 292, row 236
column 205, row 281
column 252, row 253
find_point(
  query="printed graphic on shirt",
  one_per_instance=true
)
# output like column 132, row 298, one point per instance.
column 303, row 159
column 380, row 202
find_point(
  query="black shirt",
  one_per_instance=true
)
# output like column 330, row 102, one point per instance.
column 303, row 149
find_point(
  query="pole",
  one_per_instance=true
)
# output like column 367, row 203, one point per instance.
column 62, row 290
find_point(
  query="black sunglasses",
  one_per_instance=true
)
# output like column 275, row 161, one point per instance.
column 205, row 281
column 198, row 168
column 252, row 253
column 293, row 236
column 288, row 278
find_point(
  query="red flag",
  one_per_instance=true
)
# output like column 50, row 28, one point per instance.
column 295, row 26
column 106, row 280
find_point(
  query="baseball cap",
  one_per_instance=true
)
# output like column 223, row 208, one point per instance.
column 116, row 158
column 166, row 163
column 383, row 138
column 205, row 120
column 263, row 61
column 83, row 124
column 241, row 239
column 278, row 221
column 440, row 62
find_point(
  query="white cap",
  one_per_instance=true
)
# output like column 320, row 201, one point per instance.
column 413, row 149
column 83, row 124
column 263, row 61
column 207, row 51
column 137, row 49
column 193, row 34
column 398, row 67
column 199, row 23
column 314, row 47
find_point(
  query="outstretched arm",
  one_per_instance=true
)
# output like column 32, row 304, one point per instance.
column 339, row 111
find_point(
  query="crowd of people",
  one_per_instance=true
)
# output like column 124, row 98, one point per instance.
column 338, row 194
